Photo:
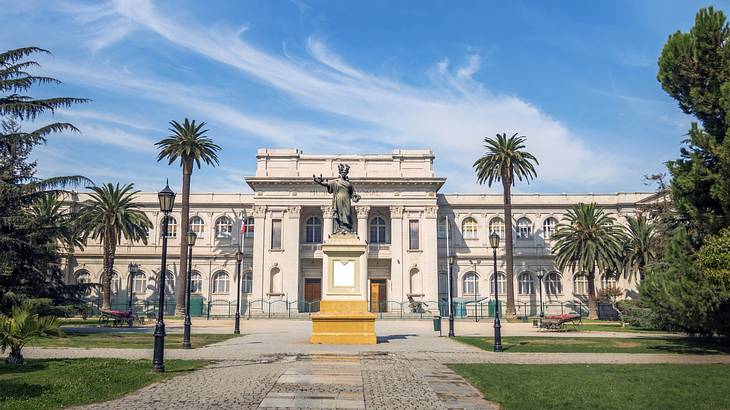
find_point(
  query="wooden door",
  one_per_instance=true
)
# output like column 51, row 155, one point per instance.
column 312, row 294
column 378, row 296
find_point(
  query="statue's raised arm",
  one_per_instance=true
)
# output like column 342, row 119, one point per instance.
column 343, row 194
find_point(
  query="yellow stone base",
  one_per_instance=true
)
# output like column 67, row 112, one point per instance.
column 342, row 322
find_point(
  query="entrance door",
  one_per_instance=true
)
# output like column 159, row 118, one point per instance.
column 378, row 296
column 312, row 294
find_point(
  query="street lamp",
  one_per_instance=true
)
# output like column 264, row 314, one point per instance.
column 476, row 288
column 237, row 326
column 166, row 198
column 452, row 259
column 132, row 271
column 494, row 242
column 540, row 275
column 191, row 236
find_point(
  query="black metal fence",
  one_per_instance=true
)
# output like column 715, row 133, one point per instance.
column 286, row 309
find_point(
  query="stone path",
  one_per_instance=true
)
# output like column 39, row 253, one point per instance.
column 363, row 381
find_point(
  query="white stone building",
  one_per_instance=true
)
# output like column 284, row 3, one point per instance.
column 402, row 216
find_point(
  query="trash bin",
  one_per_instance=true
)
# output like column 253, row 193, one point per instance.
column 459, row 309
column 437, row 324
column 196, row 306
column 490, row 308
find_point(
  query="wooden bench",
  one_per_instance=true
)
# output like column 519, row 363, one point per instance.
column 557, row 322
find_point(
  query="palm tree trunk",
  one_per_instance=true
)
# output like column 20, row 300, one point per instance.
column 106, row 278
column 507, row 193
column 15, row 357
column 592, row 305
column 184, row 220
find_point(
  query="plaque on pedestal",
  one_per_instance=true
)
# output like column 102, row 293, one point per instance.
column 343, row 317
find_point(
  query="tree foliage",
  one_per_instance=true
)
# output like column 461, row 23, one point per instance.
column 109, row 214
column 506, row 160
column 694, row 69
column 21, row 327
column 188, row 143
column 587, row 240
column 29, row 244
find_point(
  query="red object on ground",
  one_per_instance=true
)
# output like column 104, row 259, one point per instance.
column 563, row 316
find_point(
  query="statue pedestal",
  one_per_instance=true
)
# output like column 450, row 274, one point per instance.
column 343, row 317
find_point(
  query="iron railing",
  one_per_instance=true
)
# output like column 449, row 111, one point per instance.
column 389, row 309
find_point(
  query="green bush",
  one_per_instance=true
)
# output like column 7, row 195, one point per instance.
column 637, row 316
column 691, row 293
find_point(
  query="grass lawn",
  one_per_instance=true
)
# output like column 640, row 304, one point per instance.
column 601, row 386
column 51, row 384
column 126, row 340
column 601, row 345
column 611, row 327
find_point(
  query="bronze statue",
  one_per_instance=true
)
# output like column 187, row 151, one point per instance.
column 342, row 194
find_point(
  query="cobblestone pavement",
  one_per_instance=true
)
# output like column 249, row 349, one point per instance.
column 362, row 381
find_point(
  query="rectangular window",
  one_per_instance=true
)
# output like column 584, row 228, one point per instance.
column 413, row 243
column 276, row 234
column 443, row 227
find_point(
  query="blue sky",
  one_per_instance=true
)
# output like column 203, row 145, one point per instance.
column 577, row 78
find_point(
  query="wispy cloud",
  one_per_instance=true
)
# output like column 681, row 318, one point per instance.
column 450, row 115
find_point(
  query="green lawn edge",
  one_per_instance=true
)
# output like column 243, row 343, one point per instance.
column 547, row 344
column 57, row 383
column 115, row 340
column 600, row 386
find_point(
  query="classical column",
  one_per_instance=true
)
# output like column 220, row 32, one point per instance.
column 327, row 212
column 362, row 232
column 362, row 221
column 289, row 259
column 397, row 254
column 429, row 257
column 259, row 250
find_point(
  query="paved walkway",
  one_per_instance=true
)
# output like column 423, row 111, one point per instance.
column 273, row 366
column 374, row 381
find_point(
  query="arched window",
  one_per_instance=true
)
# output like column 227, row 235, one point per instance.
column 116, row 283
column 415, row 282
column 471, row 283
column 526, row 284
column 196, row 283
column 247, row 284
column 248, row 227
column 524, row 228
column 139, row 283
column 223, row 227
column 470, row 228
column 580, row 284
column 501, row 283
column 548, row 227
column 553, row 284
column 169, row 284
column 497, row 225
column 197, row 225
column 313, row 230
column 83, row 277
column 608, row 280
column 276, row 284
column 221, row 282
column 377, row 230
column 171, row 227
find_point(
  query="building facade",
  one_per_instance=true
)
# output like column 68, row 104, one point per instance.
column 410, row 228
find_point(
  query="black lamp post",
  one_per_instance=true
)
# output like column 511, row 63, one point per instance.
column 451, row 296
column 167, row 200
column 494, row 242
column 188, row 279
column 132, row 271
column 540, row 275
column 237, row 326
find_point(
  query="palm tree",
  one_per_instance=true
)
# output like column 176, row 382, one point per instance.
column 189, row 143
column 588, row 239
column 110, row 213
column 21, row 327
column 504, row 160
column 641, row 244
